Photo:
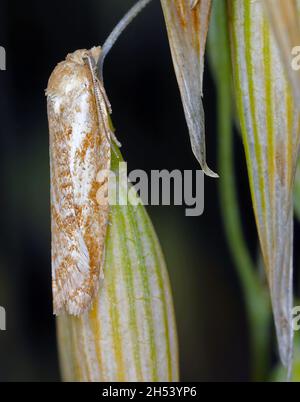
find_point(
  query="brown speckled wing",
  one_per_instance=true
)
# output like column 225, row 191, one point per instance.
column 79, row 149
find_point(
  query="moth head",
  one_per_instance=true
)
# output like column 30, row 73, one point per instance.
column 79, row 56
column 95, row 52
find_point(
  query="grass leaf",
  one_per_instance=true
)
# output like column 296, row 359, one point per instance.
column 187, row 25
column 130, row 333
column 270, row 128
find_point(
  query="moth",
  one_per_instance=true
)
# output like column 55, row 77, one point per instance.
column 80, row 148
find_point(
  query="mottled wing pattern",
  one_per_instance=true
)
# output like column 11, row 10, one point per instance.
column 79, row 149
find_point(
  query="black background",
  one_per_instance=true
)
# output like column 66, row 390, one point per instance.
column 149, row 120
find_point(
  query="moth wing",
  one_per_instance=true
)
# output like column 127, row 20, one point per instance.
column 78, row 150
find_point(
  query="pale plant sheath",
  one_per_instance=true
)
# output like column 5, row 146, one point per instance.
column 285, row 21
column 297, row 193
column 270, row 127
column 187, row 25
column 130, row 332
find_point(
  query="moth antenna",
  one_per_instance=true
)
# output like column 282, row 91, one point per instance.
column 105, row 97
column 100, row 91
column 108, row 105
column 111, row 135
column 118, row 30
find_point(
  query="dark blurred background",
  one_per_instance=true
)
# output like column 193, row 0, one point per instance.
column 148, row 116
